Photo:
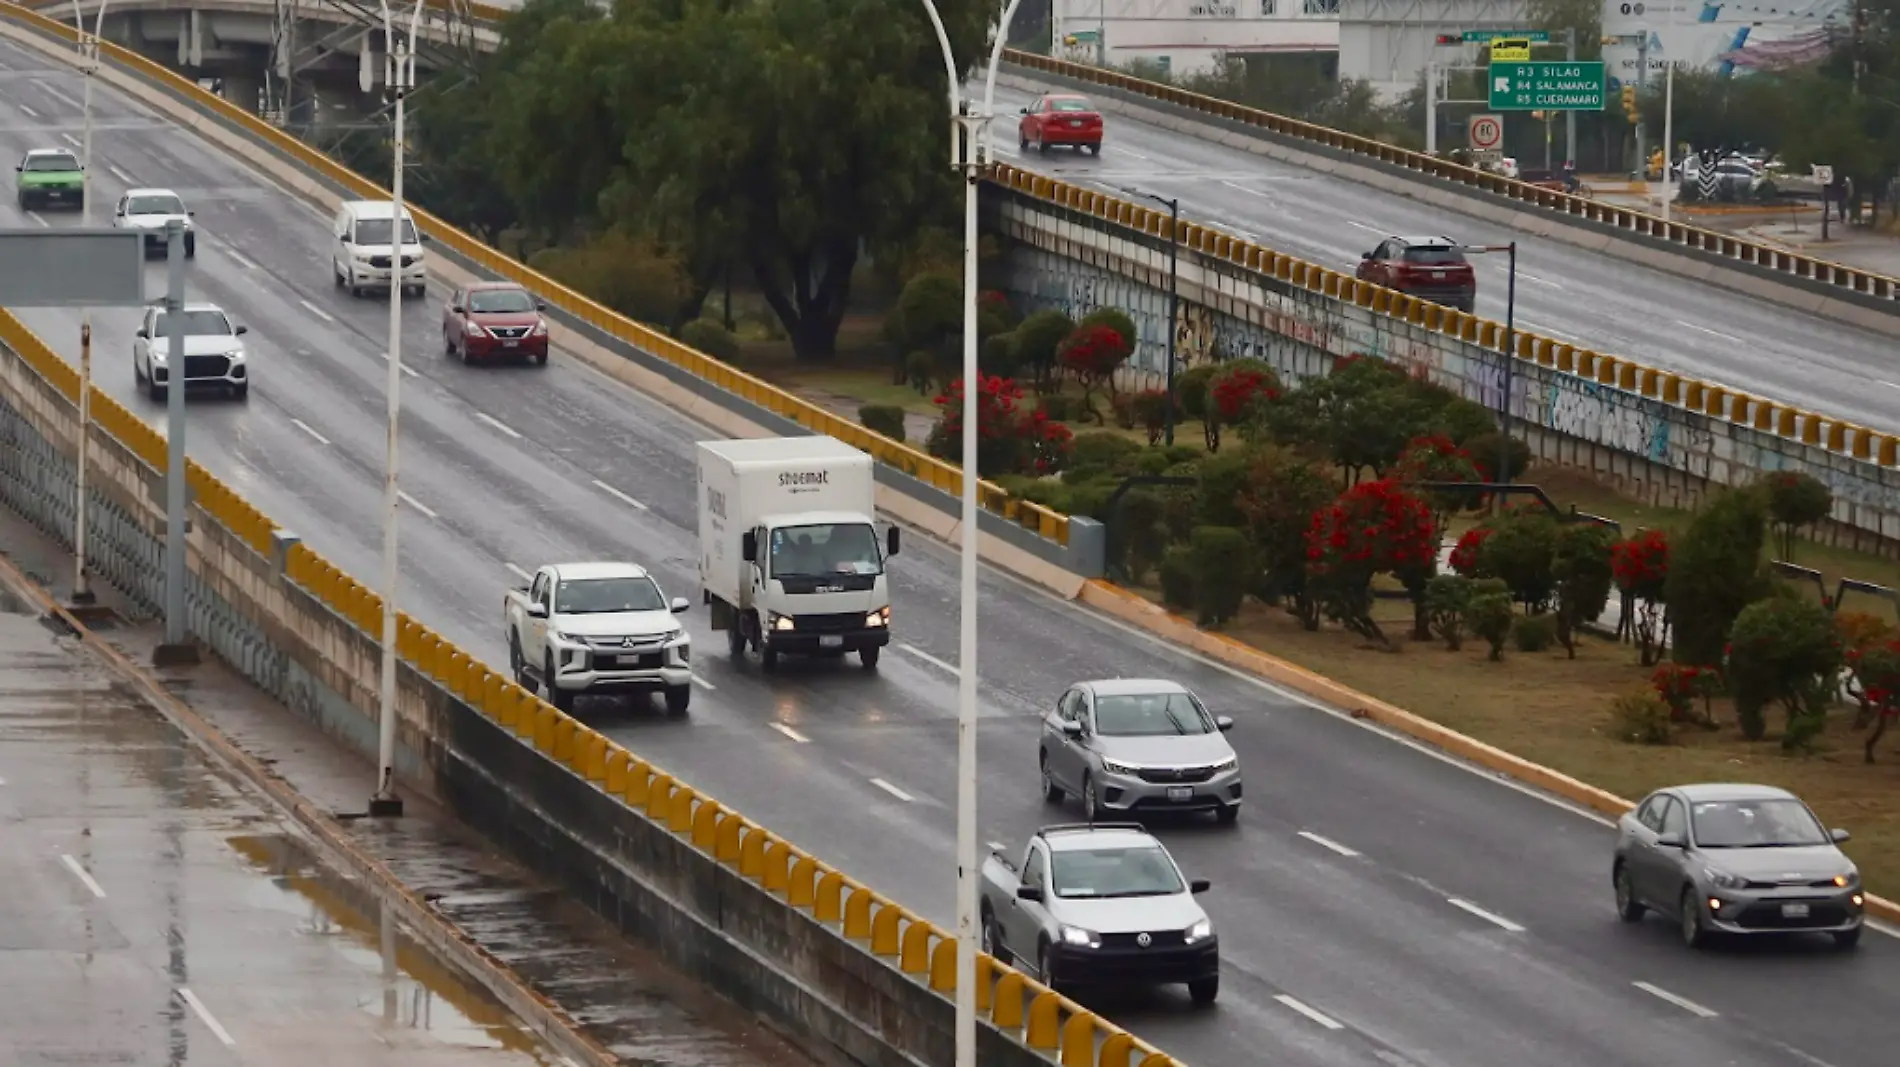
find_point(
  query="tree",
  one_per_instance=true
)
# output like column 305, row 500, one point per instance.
column 1876, row 671
column 1447, row 598
column 1010, row 438
column 1218, row 554
column 1640, row 566
column 1038, row 337
column 1796, row 500
column 1279, row 498
column 1372, row 528
column 1093, row 353
column 1581, row 567
column 1363, row 414
column 1715, row 572
column 629, row 274
column 1238, row 389
column 1785, row 651
column 1437, row 458
column 1522, row 550
column 1488, row 614
column 1859, row 632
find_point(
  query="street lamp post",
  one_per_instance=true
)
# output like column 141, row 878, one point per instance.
column 88, row 64
column 1669, row 116
column 1174, row 292
column 1502, row 474
column 966, row 154
column 400, row 76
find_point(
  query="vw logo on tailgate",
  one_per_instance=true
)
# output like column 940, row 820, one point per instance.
column 1144, row 940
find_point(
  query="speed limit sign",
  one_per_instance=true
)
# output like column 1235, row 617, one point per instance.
column 1487, row 132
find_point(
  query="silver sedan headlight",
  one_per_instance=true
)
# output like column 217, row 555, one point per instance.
column 1228, row 764
column 1112, row 767
column 1723, row 879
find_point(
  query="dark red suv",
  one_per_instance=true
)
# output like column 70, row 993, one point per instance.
column 487, row 321
column 1430, row 268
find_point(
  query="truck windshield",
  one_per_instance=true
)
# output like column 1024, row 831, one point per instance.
column 1115, row 872
column 824, row 550
column 599, row 596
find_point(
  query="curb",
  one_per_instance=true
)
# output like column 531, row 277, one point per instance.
column 1115, row 601
column 545, row 1018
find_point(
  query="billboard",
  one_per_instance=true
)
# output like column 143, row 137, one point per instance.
column 1727, row 37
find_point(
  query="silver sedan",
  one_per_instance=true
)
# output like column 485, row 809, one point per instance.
column 1133, row 745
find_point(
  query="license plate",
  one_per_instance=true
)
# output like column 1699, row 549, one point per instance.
column 511, row 344
column 1438, row 275
column 1794, row 911
column 831, row 642
column 1075, row 124
column 1180, row 792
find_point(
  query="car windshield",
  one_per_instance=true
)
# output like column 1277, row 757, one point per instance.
column 199, row 323
column 1433, row 255
column 377, row 231
column 1756, row 824
column 1150, row 715
column 499, row 301
column 825, row 550
column 154, row 205
column 1142, row 871
column 600, row 596
column 55, row 162
column 1070, row 104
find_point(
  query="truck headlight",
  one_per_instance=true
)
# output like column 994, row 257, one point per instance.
column 1075, row 935
column 682, row 646
column 780, row 622
column 880, row 617
column 565, row 639
column 236, row 354
column 1200, row 931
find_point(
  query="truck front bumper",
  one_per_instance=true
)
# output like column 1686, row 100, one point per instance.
column 600, row 682
column 815, row 642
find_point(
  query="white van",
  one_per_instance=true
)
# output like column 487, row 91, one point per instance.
column 360, row 258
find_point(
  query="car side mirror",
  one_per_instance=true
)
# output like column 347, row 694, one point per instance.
column 1032, row 894
column 1223, row 723
column 242, row 330
column 1072, row 727
column 749, row 547
column 1367, row 256
column 1023, row 111
column 191, row 214
column 1200, row 885
column 145, row 333
column 679, row 605
column 891, row 541
column 1840, row 837
column 537, row 611
column 458, row 309
column 1670, row 841
column 423, row 238
column 540, row 305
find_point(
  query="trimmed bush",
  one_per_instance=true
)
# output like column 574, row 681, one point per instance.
column 1099, row 452
column 1483, row 450
column 1796, row 501
column 1489, row 614
column 711, row 337
column 1447, row 598
column 1641, row 717
column 1584, row 577
column 1177, row 578
column 1037, row 338
column 1715, row 570
column 1222, row 562
column 887, row 419
column 1785, row 651
column 1533, row 633
column 1522, row 551
column 999, row 355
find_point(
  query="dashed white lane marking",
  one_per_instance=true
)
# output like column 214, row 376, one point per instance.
column 305, row 427
column 3, row 781
column 35, row 216
column 624, row 498
column 1363, row 226
column 519, row 573
column 497, row 424
column 414, row 503
column 84, row 878
column 29, row 112
column 892, row 790
column 1712, row 333
column 204, row 1016
column 317, row 311
column 1684, row 1003
column 240, row 260
column 1310, row 1012
column 405, row 366
column 127, row 179
column 70, row 139
column 913, row 650
column 1490, row 917
column 1328, row 843
column 791, row 733
column 703, row 683
column 1888, row 384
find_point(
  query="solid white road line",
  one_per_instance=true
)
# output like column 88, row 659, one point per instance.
column 605, row 488
column 892, row 790
column 84, row 878
column 70, row 139
column 305, row 427
column 1490, row 917
column 414, row 503
column 1328, row 843
column 703, row 683
column 35, row 216
column 497, row 424
column 204, row 1016
column 913, row 650
column 519, row 573
column 317, row 311
column 121, row 175
column 791, row 733
column 1684, row 1003
column 1311, row 1013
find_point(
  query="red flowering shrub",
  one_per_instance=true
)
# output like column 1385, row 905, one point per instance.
column 1876, row 673
column 1234, row 392
column 1370, row 529
column 1010, row 438
column 1093, row 353
column 1680, row 685
column 1437, row 458
column 1641, row 566
column 1464, row 557
column 1149, row 409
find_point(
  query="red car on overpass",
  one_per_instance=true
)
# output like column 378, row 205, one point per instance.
column 486, row 321
column 1061, row 120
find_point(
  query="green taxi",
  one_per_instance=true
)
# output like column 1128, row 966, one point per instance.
column 50, row 177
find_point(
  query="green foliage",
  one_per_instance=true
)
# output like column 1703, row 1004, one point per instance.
column 711, row 337
column 1279, row 499
column 1484, row 452
column 1796, row 500
column 1177, row 578
column 1222, row 561
column 1785, row 651
column 1140, row 533
column 1223, row 476
column 630, row 275
column 887, row 419
column 1533, row 633
column 1464, row 420
column 1362, row 415
column 929, row 313
column 1489, row 614
column 1000, row 355
column 1580, row 566
column 1037, row 339
column 1447, row 598
column 1522, row 551
column 1061, row 407
column 922, row 371
column 1640, row 717
column 1714, row 572
column 1099, row 452
column 1115, row 319
column 1190, row 389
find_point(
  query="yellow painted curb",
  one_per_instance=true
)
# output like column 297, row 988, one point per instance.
column 1113, row 600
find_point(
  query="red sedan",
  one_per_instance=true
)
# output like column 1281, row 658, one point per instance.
column 486, row 321
column 1061, row 119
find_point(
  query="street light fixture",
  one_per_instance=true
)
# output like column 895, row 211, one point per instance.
column 88, row 64
column 399, row 74
column 1503, row 472
column 968, row 126
column 1174, row 290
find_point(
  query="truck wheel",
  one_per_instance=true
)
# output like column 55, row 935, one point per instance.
column 993, row 938
column 1046, row 965
column 562, row 700
column 517, row 666
column 677, row 699
column 869, row 657
column 1204, row 991
column 735, row 638
column 769, row 657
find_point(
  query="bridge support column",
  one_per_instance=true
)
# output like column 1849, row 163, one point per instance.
column 243, row 88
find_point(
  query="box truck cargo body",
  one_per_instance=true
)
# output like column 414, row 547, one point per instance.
column 790, row 559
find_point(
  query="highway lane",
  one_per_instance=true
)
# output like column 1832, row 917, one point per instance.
column 1591, row 299
column 1392, row 964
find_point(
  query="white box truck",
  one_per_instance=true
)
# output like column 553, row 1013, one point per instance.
column 789, row 554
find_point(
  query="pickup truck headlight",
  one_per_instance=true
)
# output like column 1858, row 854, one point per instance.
column 1076, row 935
column 780, row 622
column 880, row 617
column 681, row 645
column 1112, row 767
column 565, row 639
column 1200, row 931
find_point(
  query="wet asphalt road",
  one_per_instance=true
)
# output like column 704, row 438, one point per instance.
column 1590, row 299
column 1334, row 894
column 158, row 913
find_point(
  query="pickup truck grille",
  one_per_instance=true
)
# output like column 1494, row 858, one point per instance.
column 1176, row 774
column 1156, row 939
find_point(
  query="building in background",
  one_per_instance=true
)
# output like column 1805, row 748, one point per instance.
column 1190, row 36
column 1388, row 42
column 1728, row 37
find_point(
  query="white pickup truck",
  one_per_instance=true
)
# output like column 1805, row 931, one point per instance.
column 586, row 629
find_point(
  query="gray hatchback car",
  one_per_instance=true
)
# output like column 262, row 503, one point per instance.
column 1132, row 745
column 1736, row 859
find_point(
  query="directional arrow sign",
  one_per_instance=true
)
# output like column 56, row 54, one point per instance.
column 1547, row 86
column 1481, row 36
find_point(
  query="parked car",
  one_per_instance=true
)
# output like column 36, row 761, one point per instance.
column 1430, row 268
column 214, row 355
column 1735, row 859
column 1099, row 905
column 486, row 321
column 1061, row 120
column 1138, row 745
column 49, row 176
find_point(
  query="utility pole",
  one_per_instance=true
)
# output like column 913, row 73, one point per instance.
column 177, row 651
column 1431, row 108
column 1642, row 82
column 89, row 65
column 1570, row 117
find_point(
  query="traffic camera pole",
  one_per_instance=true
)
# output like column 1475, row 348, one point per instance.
column 89, row 63
column 177, row 650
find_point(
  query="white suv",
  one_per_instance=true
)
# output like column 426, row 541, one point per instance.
column 214, row 355
column 148, row 211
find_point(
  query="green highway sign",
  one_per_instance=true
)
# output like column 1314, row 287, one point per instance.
column 1546, row 86
column 1482, row 36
